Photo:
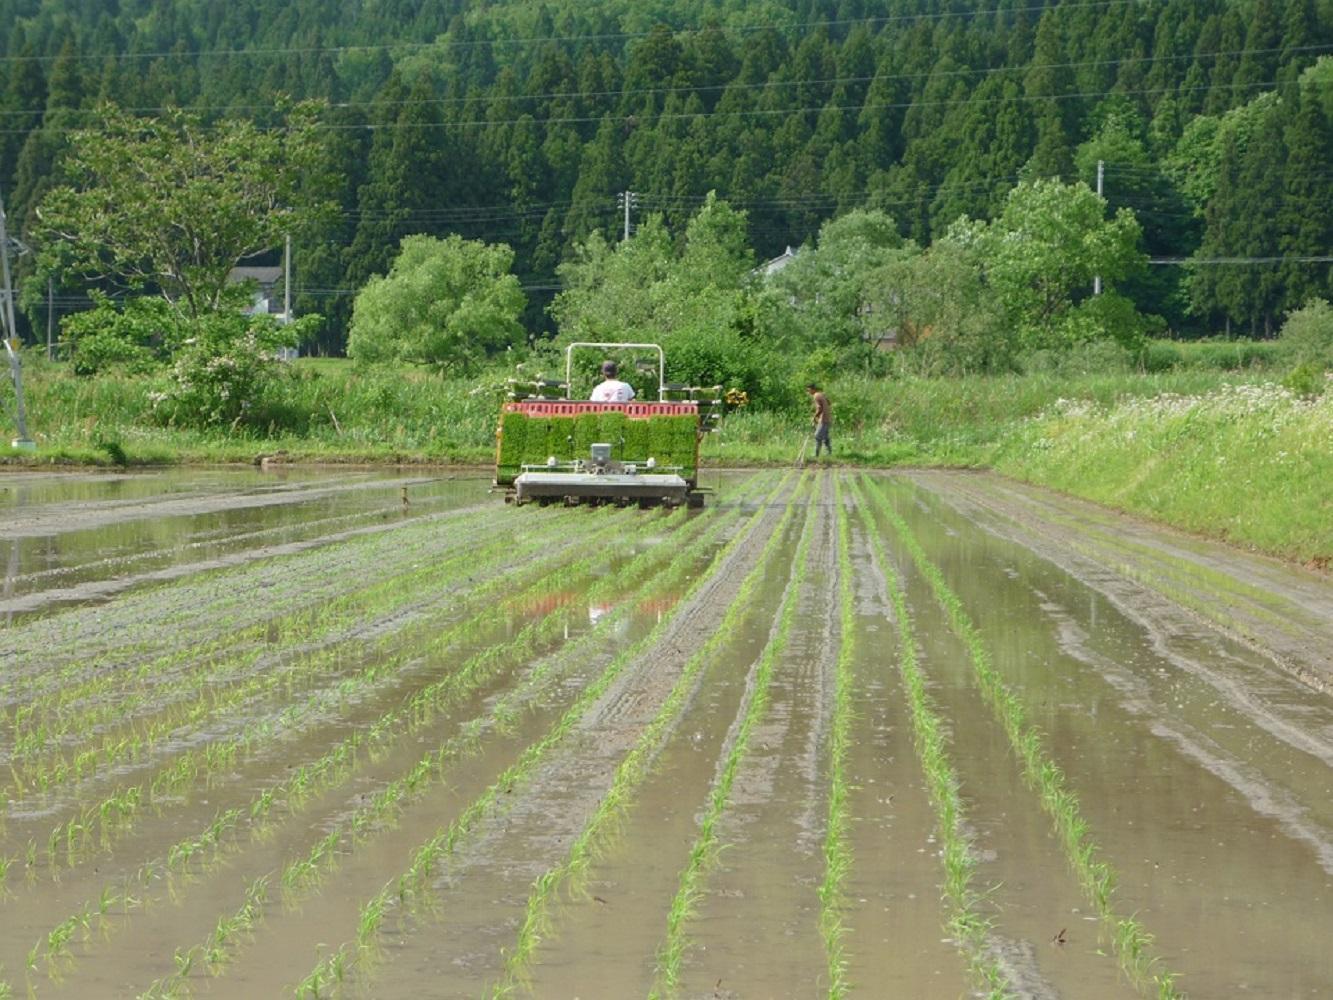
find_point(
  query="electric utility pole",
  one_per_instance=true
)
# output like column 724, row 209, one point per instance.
column 1101, row 173
column 627, row 200
column 10, row 334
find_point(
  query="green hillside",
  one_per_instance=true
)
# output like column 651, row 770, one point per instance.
column 521, row 122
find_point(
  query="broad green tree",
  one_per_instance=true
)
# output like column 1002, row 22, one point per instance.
column 1041, row 256
column 829, row 288
column 447, row 303
column 170, row 205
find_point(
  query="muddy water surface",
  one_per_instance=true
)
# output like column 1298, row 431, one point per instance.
column 1178, row 686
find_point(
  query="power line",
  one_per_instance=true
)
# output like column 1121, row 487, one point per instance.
column 602, row 37
column 1227, row 261
column 752, row 112
column 982, row 73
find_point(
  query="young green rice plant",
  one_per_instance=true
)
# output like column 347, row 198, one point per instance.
column 404, row 719
column 837, row 851
column 671, row 954
column 968, row 926
column 195, row 766
column 444, row 842
column 133, row 627
column 208, row 700
column 1131, row 942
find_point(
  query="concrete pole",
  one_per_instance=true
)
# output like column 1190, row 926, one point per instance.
column 1101, row 173
column 287, row 280
column 22, row 442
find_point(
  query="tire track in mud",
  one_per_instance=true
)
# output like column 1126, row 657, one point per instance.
column 1263, row 796
column 1272, row 701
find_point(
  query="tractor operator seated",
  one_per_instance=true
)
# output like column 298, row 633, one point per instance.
column 611, row 389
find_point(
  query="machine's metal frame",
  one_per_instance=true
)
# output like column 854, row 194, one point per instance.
column 661, row 362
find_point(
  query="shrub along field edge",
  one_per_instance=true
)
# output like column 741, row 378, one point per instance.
column 1228, row 454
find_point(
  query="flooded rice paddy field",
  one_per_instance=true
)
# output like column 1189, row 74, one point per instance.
column 921, row 734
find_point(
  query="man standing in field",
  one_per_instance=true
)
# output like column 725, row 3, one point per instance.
column 823, row 418
column 611, row 389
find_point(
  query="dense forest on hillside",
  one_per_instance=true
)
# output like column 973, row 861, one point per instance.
column 523, row 122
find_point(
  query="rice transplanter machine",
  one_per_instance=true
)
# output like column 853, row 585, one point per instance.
column 554, row 449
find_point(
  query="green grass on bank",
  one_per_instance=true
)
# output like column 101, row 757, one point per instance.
column 1221, row 452
column 1252, row 464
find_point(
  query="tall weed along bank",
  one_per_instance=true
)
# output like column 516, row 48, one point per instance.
column 1251, row 463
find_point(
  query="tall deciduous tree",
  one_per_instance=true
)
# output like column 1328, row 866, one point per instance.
column 445, row 303
column 170, row 205
column 1042, row 254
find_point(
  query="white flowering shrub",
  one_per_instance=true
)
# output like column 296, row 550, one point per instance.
column 228, row 374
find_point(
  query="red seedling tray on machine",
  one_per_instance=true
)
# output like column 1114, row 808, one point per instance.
column 570, row 408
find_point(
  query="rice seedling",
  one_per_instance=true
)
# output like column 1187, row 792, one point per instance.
column 443, row 843
column 671, row 954
column 1131, row 942
column 968, row 926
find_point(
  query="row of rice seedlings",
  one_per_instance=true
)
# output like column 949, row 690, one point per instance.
column 631, row 771
column 151, row 621
column 334, row 967
column 704, row 851
column 65, row 709
column 966, row 923
column 383, row 807
column 61, row 771
column 94, row 825
column 119, row 692
column 290, row 584
column 1131, row 941
column 122, row 565
column 837, row 850
column 45, row 720
column 222, row 943
column 338, row 761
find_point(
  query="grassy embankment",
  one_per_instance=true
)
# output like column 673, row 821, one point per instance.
column 1197, row 444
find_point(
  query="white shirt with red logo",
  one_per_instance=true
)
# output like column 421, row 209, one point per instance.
column 612, row 391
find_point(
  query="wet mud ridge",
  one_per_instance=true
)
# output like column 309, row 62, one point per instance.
column 1156, row 573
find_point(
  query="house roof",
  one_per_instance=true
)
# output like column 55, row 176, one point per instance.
column 771, row 267
column 263, row 275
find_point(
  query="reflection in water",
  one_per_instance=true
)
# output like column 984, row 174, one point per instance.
column 11, row 573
